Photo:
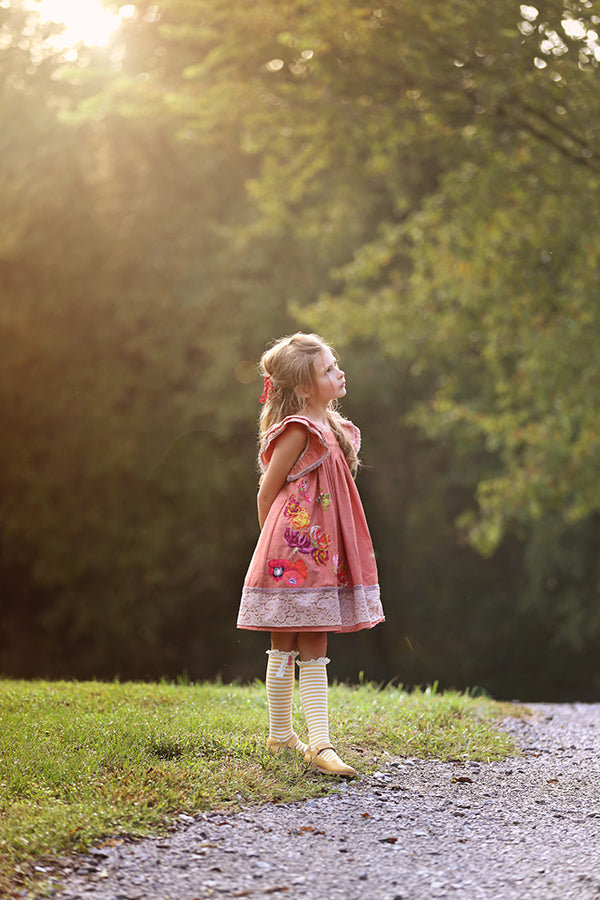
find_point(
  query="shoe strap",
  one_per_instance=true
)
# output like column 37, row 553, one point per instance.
column 326, row 747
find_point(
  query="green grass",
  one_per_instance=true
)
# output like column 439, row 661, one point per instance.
column 84, row 761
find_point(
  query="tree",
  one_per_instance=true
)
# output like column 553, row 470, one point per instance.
column 450, row 154
column 417, row 182
column 471, row 216
column 126, row 430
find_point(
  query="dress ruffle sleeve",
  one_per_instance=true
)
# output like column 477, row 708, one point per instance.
column 353, row 432
column 314, row 453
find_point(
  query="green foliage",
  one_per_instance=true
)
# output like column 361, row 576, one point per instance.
column 418, row 182
column 485, row 283
column 126, row 471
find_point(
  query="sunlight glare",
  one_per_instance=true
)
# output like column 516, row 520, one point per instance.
column 84, row 20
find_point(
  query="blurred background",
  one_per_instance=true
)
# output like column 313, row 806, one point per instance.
column 182, row 182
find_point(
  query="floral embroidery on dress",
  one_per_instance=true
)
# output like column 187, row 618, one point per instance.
column 340, row 571
column 319, row 537
column 313, row 568
column 301, row 519
column 320, row 541
column 296, row 541
column 293, row 574
column 277, row 567
column 298, row 514
column 302, row 485
column 319, row 555
column 291, row 507
column 324, row 500
column 296, row 575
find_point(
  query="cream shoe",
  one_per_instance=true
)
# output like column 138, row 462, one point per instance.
column 328, row 766
column 274, row 745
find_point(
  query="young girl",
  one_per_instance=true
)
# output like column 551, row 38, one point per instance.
column 313, row 569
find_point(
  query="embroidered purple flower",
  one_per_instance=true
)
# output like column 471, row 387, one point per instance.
column 297, row 541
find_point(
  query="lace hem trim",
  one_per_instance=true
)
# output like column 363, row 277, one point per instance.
column 324, row 608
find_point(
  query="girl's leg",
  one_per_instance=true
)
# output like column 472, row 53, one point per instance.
column 284, row 640
column 280, row 692
column 313, row 692
column 312, row 644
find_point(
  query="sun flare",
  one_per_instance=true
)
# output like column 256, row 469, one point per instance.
column 84, row 20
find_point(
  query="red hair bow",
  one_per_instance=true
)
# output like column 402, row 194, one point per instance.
column 268, row 389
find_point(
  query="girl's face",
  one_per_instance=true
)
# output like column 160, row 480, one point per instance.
column 329, row 379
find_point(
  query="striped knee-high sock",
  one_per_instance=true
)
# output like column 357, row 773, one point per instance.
column 280, row 694
column 313, row 693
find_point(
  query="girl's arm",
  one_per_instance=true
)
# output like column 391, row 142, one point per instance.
column 286, row 451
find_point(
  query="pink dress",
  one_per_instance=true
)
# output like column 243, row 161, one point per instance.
column 313, row 568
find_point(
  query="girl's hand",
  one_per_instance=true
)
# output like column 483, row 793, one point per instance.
column 286, row 451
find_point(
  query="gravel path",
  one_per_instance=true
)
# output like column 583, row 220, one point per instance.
column 527, row 828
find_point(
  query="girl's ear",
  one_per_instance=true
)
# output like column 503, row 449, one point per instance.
column 303, row 391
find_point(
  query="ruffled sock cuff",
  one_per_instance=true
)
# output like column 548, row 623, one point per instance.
column 281, row 654
column 321, row 661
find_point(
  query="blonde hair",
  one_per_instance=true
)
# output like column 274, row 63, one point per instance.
column 289, row 363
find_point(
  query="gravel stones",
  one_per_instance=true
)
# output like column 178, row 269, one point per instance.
column 526, row 828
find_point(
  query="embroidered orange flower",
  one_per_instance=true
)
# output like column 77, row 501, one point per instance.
column 296, row 575
column 320, row 556
column 298, row 514
column 292, row 574
column 301, row 519
column 320, row 539
column 292, row 506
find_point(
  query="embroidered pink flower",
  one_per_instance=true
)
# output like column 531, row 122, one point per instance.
column 302, row 484
column 340, row 571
